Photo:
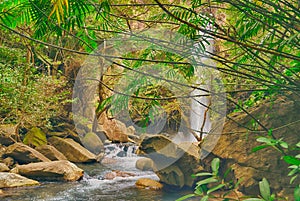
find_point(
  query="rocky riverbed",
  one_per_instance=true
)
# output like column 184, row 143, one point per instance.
column 58, row 156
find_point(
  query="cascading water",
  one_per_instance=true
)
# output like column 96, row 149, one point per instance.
column 200, row 121
column 94, row 186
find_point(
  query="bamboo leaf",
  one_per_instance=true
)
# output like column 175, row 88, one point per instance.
column 201, row 174
column 215, row 188
column 207, row 181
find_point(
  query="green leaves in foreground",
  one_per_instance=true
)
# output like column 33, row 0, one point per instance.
column 210, row 178
column 279, row 145
column 297, row 193
column 270, row 142
column 265, row 192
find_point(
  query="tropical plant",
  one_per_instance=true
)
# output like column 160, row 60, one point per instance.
column 211, row 182
column 284, row 148
column 265, row 192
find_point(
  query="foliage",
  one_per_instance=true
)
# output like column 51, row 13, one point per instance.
column 265, row 192
column 284, row 148
column 28, row 98
column 211, row 183
column 256, row 49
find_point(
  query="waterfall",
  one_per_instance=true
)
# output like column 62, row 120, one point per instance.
column 200, row 121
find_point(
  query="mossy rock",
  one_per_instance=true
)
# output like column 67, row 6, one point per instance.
column 93, row 143
column 35, row 137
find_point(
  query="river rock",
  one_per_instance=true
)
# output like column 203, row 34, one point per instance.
column 24, row 154
column 67, row 133
column 174, row 164
column 2, row 151
column 54, row 170
column 8, row 134
column 144, row 164
column 108, row 161
column 117, row 173
column 8, row 161
column 3, row 167
column 115, row 130
column 51, row 152
column 9, row 180
column 235, row 145
column 72, row 150
column 93, row 143
column 148, row 184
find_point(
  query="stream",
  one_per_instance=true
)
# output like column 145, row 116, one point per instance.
column 94, row 187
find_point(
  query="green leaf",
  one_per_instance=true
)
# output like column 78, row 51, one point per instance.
column 293, row 179
column 207, row 181
column 205, row 198
column 227, row 172
column 199, row 191
column 291, row 160
column 297, row 193
column 298, row 144
column 264, row 188
column 292, row 172
column 103, row 104
column 215, row 164
column 201, row 174
column 215, row 188
column 255, row 149
column 185, row 197
column 270, row 131
column 265, row 140
column 284, row 145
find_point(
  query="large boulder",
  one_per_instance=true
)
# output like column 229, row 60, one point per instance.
column 73, row 151
column 93, row 143
column 54, row 170
column 51, row 152
column 9, row 180
column 235, row 145
column 115, row 130
column 24, row 154
column 174, row 164
column 8, row 134
column 67, row 133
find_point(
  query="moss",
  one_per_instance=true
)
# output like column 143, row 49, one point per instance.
column 35, row 137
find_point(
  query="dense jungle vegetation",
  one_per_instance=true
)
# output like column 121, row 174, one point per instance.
column 253, row 49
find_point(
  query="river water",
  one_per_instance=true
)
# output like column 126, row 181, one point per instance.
column 94, row 187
